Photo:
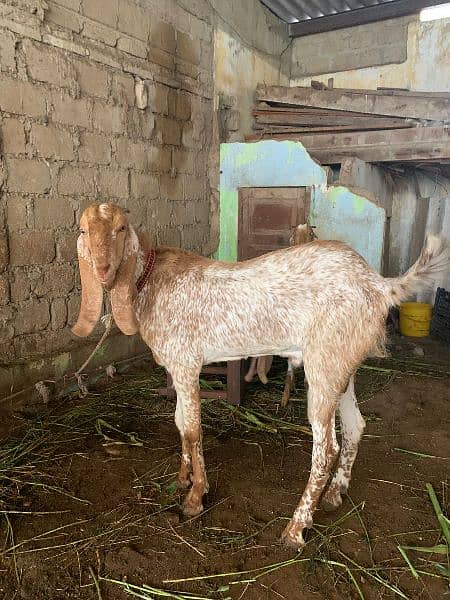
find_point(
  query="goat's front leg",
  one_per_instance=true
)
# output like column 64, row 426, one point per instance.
column 263, row 367
column 184, row 476
column 188, row 421
column 325, row 450
column 251, row 370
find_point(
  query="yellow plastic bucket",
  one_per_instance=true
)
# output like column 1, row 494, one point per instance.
column 415, row 319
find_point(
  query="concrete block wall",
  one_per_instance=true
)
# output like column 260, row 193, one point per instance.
column 401, row 53
column 71, row 134
column 420, row 206
column 352, row 48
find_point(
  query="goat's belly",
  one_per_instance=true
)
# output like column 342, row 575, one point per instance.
column 224, row 355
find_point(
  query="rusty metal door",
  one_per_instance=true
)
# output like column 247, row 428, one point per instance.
column 267, row 216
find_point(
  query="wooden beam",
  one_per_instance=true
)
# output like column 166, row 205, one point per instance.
column 301, row 131
column 414, row 107
column 413, row 144
column 360, row 16
column 329, row 120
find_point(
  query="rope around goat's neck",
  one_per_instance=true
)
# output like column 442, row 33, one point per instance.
column 108, row 320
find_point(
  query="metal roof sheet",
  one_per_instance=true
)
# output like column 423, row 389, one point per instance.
column 293, row 11
column 313, row 16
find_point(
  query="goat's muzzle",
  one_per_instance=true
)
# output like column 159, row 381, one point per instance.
column 105, row 276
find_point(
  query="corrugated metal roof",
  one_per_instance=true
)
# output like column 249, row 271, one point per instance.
column 294, row 11
column 314, row 16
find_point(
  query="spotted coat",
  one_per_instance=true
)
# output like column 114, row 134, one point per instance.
column 318, row 303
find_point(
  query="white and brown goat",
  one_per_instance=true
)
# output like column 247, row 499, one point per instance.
column 302, row 234
column 318, row 303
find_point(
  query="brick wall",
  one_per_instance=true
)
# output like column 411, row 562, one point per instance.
column 71, row 134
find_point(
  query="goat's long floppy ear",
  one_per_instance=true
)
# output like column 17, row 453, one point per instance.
column 91, row 293
column 123, row 292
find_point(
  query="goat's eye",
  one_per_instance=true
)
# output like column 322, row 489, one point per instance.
column 82, row 231
column 122, row 228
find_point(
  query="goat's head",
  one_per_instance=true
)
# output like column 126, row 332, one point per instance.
column 302, row 234
column 107, row 250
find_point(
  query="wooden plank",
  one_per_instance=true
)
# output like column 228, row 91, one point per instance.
column 276, row 108
column 413, row 144
column 364, row 121
column 435, row 109
column 214, row 370
column 235, row 381
column 386, row 91
column 269, row 129
column 304, row 110
column 380, row 91
column 313, row 117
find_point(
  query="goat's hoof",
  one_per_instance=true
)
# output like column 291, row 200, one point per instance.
column 331, row 503
column 192, row 510
column 332, row 499
column 292, row 537
column 183, row 483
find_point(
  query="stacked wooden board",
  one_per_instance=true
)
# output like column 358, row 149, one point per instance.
column 409, row 125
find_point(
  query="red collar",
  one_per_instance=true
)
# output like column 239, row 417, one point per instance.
column 148, row 268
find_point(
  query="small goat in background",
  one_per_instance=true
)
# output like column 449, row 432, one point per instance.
column 319, row 304
column 302, row 234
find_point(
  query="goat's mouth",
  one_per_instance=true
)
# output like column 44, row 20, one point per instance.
column 108, row 285
column 106, row 278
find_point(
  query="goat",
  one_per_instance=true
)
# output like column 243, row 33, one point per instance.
column 302, row 234
column 318, row 303
column 259, row 365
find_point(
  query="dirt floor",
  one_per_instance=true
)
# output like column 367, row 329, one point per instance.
column 89, row 508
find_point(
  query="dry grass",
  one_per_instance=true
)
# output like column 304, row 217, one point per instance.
column 30, row 460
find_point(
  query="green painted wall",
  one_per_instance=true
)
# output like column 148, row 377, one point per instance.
column 336, row 212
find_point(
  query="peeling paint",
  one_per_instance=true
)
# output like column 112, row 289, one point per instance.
column 337, row 212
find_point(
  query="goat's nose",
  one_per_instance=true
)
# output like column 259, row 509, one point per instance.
column 102, row 271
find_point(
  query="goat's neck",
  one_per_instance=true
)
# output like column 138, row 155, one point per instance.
column 141, row 254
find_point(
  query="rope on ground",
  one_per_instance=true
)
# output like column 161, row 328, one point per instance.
column 43, row 388
column 79, row 375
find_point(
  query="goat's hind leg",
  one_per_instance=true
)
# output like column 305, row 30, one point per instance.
column 321, row 409
column 294, row 362
column 288, row 384
column 352, row 424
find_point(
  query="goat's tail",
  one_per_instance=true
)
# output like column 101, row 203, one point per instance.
column 433, row 260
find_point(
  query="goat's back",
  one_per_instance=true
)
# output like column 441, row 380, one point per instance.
column 268, row 304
